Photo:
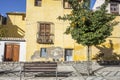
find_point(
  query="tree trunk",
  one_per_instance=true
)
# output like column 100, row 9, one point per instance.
column 89, row 65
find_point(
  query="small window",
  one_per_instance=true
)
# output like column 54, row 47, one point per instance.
column 43, row 52
column 23, row 17
column 0, row 17
column 114, row 7
column 4, row 20
column 66, row 4
column 68, row 54
column 38, row 3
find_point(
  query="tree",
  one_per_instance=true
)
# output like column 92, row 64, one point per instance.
column 3, row 31
column 88, row 27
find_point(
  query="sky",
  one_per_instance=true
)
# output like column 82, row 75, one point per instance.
column 12, row 6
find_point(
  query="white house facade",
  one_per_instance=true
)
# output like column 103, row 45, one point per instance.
column 12, row 49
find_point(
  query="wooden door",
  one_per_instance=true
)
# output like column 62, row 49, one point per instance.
column 11, row 52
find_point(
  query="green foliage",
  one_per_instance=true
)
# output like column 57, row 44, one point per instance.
column 88, row 27
column 3, row 31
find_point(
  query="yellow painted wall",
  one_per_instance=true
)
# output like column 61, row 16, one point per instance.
column 48, row 12
column 112, row 44
column 15, row 26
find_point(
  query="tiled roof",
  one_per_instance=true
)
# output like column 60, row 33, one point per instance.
column 12, row 39
column 17, row 13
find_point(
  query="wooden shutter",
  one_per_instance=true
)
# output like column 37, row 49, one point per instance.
column 16, row 52
column 12, row 52
column 8, row 52
column 42, row 29
column 47, row 32
column 47, row 29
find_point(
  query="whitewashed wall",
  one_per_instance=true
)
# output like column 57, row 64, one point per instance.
column 22, row 51
column 98, row 3
column 108, row 8
column 119, row 8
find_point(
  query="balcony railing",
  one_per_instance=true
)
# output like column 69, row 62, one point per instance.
column 45, row 39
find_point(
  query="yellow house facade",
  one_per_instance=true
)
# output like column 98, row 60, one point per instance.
column 15, row 25
column 39, row 35
column 45, row 15
column 45, row 36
